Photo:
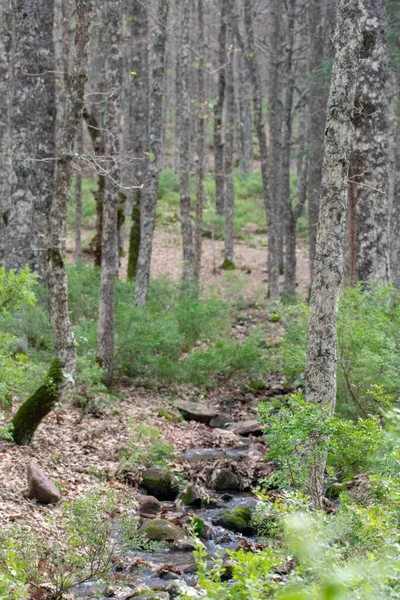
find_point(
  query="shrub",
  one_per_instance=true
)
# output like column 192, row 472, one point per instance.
column 368, row 350
column 146, row 448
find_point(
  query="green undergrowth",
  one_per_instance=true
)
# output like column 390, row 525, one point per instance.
column 368, row 349
column 176, row 338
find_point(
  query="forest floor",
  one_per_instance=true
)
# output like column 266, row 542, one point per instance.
column 79, row 451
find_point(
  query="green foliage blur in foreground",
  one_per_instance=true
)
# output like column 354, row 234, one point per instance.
column 353, row 554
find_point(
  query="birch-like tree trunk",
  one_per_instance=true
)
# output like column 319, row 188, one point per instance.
column 109, row 244
column 6, row 87
column 249, row 51
column 218, row 114
column 33, row 122
column 369, row 164
column 229, row 257
column 317, row 99
column 328, row 263
column 149, row 194
column 184, row 146
column 139, row 121
column 201, row 155
column 37, row 406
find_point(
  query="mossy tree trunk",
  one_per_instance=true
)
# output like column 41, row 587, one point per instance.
column 32, row 412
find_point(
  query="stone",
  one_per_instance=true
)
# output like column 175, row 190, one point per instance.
column 250, row 427
column 228, row 565
column 196, row 496
column 180, row 588
column 193, row 411
column 223, row 480
column 152, row 595
column 40, row 487
column 159, row 530
column 220, row 420
column 148, row 504
column 239, row 520
column 159, row 483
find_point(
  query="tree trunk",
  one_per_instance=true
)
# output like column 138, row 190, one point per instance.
column 139, row 116
column 184, row 158
column 96, row 135
column 6, row 89
column 218, row 115
column 290, row 214
column 328, row 264
column 202, row 116
column 109, row 242
column 251, row 58
column 229, row 258
column 33, row 134
column 370, row 159
column 31, row 413
column 275, row 121
column 149, row 193
column 245, row 125
column 78, row 195
column 317, row 99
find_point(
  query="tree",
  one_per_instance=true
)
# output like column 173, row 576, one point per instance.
column 137, row 120
column 202, row 116
column 33, row 122
column 149, row 194
column 229, row 258
column 6, row 85
column 109, row 243
column 317, row 100
column 218, row 114
column 245, row 124
column 369, row 175
column 184, row 146
column 328, row 263
column 60, row 375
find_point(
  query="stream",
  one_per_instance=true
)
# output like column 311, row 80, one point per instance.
column 144, row 565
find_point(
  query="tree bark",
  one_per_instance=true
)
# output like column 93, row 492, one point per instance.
column 202, row 116
column 109, row 243
column 6, row 90
column 251, row 59
column 149, row 194
column 218, row 115
column 328, row 264
column 184, row 147
column 395, row 221
column 33, row 134
column 139, row 116
column 370, row 159
column 317, row 100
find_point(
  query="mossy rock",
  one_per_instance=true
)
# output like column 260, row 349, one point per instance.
column 169, row 415
column 197, row 497
column 334, row 490
column 228, row 265
column 223, row 480
column 238, row 520
column 159, row 530
column 160, row 484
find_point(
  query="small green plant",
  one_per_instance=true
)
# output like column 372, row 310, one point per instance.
column 146, row 448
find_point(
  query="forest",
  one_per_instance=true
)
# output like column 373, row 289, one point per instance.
column 200, row 299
